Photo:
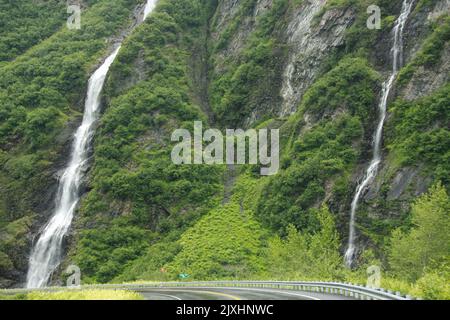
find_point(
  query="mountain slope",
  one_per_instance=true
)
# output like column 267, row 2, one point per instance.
column 310, row 68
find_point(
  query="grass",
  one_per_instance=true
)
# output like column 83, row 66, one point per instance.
column 93, row 294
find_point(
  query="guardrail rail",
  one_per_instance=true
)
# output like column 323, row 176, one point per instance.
column 331, row 288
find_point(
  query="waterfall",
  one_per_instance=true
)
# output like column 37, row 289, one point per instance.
column 46, row 254
column 149, row 7
column 397, row 62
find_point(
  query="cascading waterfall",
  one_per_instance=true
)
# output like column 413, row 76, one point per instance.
column 46, row 254
column 397, row 57
column 149, row 7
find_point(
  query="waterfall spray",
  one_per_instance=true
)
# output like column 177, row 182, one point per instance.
column 371, row 173
column 47, row 252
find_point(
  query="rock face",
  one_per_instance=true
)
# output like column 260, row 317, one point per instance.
column 308, row 35
column 426, row 80
column 308, row 40
column 391, row 194
column 309, row 43
column 407, row 183
column 311, row 34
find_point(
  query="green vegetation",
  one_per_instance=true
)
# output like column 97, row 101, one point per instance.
column 223, row 244
column 322, row 157
column 426, row 246
column 244, row 82
column 431, row 51
column 226, row 242
column 13, row 296
column 133, row 181
column 417, row 257
column 418, row 133
column 85, row 295
column 142, row 218
column 41, row 93
column 306, row 255
column 75, row 294
column 24, row 24
column 99, row 259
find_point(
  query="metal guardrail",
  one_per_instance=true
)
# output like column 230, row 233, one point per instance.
column 329, row 288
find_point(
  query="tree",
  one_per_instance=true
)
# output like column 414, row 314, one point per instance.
column 307, row 255
column 427, row 245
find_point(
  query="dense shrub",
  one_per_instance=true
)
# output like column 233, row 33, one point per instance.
column 427, row 244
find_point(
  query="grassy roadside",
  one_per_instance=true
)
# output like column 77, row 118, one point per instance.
column 93, row 294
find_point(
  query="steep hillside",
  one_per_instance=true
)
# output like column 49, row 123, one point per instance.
column 310, row 68
column 41, row 97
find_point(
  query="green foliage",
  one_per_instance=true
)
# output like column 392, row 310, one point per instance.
column 23, row 24
column 103, row 253
column 418, row 132
column 5, row 263
column 54, row 72
column 133, row 178
column 144, row 218
column 151, row 265
column 13, row 241
column 237, row 90
column 434, row 285
column 41, row 126
column 90, row 294
column 430, row 52
column 313, row 256
column 351, row 84
column 13, row 297
column 340, row 103
column 225, row 243
column 42, row 82
column 427, row 244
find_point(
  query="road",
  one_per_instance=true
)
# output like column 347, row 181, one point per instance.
column 199, row 293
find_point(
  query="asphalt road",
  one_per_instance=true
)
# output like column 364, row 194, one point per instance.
column 233, row 294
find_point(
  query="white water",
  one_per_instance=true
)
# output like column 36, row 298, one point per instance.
column 46, row 254
column 149, row 7
column 397, row 62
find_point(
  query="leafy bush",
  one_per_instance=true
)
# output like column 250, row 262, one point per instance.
column 418, row 132
column 23, row 24
column 341, row 104
column 427, row 244
column 433, row 286
column 103, row 253
column 306, row 256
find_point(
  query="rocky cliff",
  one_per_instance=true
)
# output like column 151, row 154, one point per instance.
column 311, row 68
